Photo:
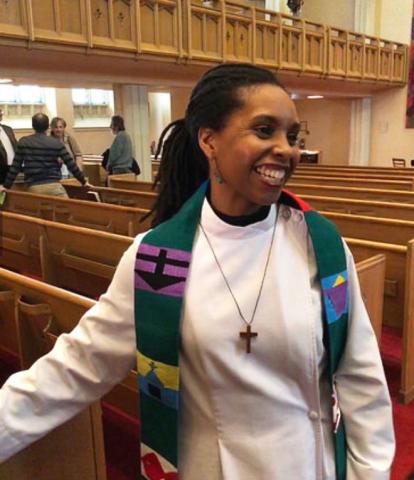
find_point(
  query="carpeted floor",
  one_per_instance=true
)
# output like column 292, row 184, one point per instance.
column 121, row 431
column 403, row 414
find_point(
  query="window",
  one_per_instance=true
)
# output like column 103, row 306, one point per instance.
column 21, row 102
column 24, row 94
column 93, row 107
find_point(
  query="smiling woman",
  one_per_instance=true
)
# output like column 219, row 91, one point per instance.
column 255, row 355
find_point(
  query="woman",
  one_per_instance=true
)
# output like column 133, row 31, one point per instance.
column 120, row 153
column 57, row 130
column 247, row 310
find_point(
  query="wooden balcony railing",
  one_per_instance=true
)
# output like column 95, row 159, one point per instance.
column 211, row 31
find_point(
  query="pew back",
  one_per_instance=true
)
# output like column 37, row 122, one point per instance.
column 126, row 182
column 75, row 449
column 353, row 182
column 319, row 169
column 76, row 258
column 98, row 216
column 355, row 193
column 398, row 298
column 116, row 196
column 386, row 230
column 354, row 174
column 373, row 208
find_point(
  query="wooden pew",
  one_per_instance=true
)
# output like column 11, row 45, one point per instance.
column 354, row 174
column 98, row 216
column 75, row 449
column 398, row 299
column 381, row 195
column 128, row 198
column 371, row 275
column 319, row 169
column 352, row 182
column 387, row 230
column 126, row 182
column 373, row 208
column 66, row 309
column 75, row 258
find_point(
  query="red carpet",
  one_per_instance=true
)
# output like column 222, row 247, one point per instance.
column 403, row 414
column 121, row 431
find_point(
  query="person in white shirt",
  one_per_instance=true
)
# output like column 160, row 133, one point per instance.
column 255, row 399
column 8, row 145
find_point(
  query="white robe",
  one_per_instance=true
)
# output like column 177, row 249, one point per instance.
column 258, row 416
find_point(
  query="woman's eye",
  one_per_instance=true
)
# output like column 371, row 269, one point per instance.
column 292, row 138
column 264, row 131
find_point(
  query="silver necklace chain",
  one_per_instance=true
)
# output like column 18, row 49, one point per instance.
column 226, row 281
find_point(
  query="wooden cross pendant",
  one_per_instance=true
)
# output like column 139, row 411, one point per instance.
column 248, row 335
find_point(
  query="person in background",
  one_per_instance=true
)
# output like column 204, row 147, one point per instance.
column 38, row 156
column 57, row 130
column 241, row 309
column 120, row 153
column 8, row 144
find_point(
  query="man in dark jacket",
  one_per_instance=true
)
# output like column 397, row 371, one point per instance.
column 38, row 156
column 8, row 144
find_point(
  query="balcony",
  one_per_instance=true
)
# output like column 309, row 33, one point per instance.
column 205, row 33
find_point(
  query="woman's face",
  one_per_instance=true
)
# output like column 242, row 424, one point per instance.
column 255, row 153
column 59, row 129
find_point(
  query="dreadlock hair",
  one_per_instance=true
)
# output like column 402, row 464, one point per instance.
column 183, row 165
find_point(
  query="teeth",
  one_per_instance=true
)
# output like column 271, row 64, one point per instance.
column 272, row 173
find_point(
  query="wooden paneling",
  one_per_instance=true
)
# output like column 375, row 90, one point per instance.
column 44, row 15
column 159, row 26
column 59, row 20
column 205, row 39
column 213, row 31
column 123, row 20
column 100, row 19
column 13, row 18
column 314, row 51
column 355, row 55
column 70, row 13
column 292, row 45
column 267, row 33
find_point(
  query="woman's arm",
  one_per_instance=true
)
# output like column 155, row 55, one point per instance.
column 81, row 368
column 363, row 395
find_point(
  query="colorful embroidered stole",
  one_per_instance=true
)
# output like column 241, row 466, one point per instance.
column 161, row 269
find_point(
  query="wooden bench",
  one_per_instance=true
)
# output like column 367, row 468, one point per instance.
column 355, row 193
column 65, row 308
column 75, row 258
column 387, row 230
column 126, row 182
column 98, row 216
column 126, row 198
column 352, row 182
column 319, row 169
column 373, row 208
column 354, row 174
column 76, row 448
column 398, row 299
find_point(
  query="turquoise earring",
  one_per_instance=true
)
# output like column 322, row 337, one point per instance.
column 218, row 178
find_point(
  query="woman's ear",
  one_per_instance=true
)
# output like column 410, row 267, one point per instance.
column 206, row 141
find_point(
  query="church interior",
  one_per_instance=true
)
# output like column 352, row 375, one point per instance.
column 347, row 65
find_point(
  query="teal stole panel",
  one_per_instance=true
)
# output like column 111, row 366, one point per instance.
column 161, row 269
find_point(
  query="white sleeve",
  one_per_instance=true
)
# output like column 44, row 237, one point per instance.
column 83, row 366
column 363, row 394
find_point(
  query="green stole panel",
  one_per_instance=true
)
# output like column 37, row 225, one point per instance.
column 161, row 270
